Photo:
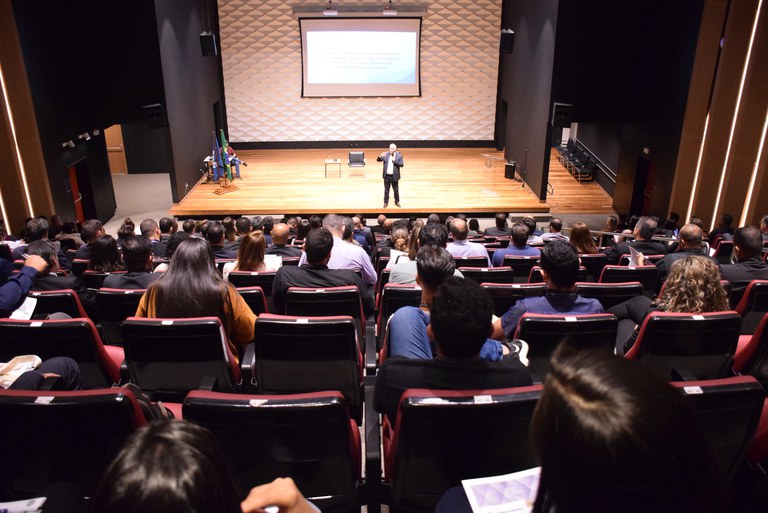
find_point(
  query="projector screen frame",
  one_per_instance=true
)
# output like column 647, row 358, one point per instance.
column 345, row 88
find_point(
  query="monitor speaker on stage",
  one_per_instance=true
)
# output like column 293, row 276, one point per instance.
column 509, row 170
column 506, row 41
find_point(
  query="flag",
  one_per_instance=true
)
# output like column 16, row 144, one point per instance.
column 219, row 172
column 226, row 155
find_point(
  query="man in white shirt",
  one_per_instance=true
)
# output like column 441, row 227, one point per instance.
column 393, row 161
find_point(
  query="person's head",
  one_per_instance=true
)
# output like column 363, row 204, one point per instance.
column 697, row 221
column 433, row 218
column 280, row 233
column 173, row 242
column 459, row 229
column 149, row 228
column 388, row 223
column 764, row 224
column 690, row 236
column 334, row 224
column 315, row 221
column 166, row 225
column 105, row 256
column 555, row 225
column 318, row 245
column 243, row 225
column 303, row 229
column 349, row 228
column 530, row 223
column 693, row 286
column 474, row 225
column 581, row 239
column 435, row 234
column 292, row 222
column 137, row 253
column 358, row 222
column 399, row 238
column 92, row 230
column 520, row 235
column 36, row 229
column 559, row 265
column 380, row 219
column 645, row 228
column 45, row 250
column 726, row 220
column 214, row 233
column 611, row 224
column 501, row 220
column 173, row 466
column 448, row 221
column 250, row 256
column 672, row 220
column 612, row 436
column 460, row 319
column 268, row 222
column 127, row 229
column 257, row 223
column 189, row 226
column 229, row 229
column 392, row 148
column 747, row 242
column 414, row 242
column 433, row 266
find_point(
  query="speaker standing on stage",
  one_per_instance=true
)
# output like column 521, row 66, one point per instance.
column 393, row 161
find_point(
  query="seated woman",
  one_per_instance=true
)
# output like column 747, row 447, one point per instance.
column 192, row 287
column 581, row 239
column 692, row 286
column 250, row 256
column 175, row 466
column 105, row 256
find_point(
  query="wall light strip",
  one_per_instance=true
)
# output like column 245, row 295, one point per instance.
column 16, row 145
column 689, row 214
column 753, row 179
column 736, row 112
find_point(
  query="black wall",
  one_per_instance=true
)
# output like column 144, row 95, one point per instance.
column 604, row 141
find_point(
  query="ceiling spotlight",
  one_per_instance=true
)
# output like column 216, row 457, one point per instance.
column 330, row 10
column 389, row 10
column 95, row 132
column 68, row 144
column 84, row 135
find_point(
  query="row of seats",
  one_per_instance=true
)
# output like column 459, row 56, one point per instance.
column 578, row 160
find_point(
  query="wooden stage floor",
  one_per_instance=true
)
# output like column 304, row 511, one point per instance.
column 434, row 180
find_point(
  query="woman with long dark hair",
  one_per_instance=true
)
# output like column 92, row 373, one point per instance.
column 192, row 287
column 105, row 256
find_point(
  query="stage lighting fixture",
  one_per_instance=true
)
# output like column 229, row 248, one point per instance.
column 330, row 10
column 84, row 135
column 68, row 144
column 389, row 10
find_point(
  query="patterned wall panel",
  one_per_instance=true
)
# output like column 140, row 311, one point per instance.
column 261, row 53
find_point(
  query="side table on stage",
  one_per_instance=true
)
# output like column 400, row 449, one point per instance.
column 332, row 162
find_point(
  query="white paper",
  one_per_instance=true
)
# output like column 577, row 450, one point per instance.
column 25, row 506
column 510, row 493
column 633, row 256
column 26, row 310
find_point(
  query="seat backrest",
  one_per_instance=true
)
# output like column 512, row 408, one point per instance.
column 115, row 306
column 489, row 274
column 261, row 279
column 76, row 338
column 544, row 333
column 309, row 437
column 757, row 365
column 646, row 274
column 723, row 251
column 504, row 295
column 473, row 261
column 729, row 412
column 317, row 302
column 356, row 158
column 702, row 345
column 394, row 296
column 308, row 354
column 753, row 305
column 79, row 266
column 55, row 301
column 536, row 277
column 169, row 357
column 442, row 437
column 61, row 436
column 594, row 262
column 521, row 265
column 255, row 298
column 94, row 280
column 610, row 294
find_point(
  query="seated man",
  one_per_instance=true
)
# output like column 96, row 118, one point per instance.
column 150, row 229
column 408, row 325
column 500, row 230
column 764, row 227
column 555, row 231
column 642, row 233
column 747, row 248
column 242, row 228
column 92, row 230
column 460, row 323
column 534, row 234
column 559, row 268
column 214, row 233
column 690, row 243
column 318, row 248
column 14, row 286
column 461, row 247
column 519, row 246
column 279, row 243
column 37, row 229
column 137, row 254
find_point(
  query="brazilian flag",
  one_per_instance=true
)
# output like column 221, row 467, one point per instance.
column 224, row 149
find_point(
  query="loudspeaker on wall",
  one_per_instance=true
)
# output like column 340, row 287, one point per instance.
column 208, row 44
column 506, row 41
column 562, row 115
column 154, row 115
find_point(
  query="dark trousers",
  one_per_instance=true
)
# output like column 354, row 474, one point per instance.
column 65, row 367
column 389, row 180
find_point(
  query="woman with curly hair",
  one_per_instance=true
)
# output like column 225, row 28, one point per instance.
column 693, row 286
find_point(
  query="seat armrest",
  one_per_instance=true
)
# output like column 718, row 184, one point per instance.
column 208, row 383
column 247, row 369
column 682, row 374
column 125, row 376
column 370, row 351
column 372, row 449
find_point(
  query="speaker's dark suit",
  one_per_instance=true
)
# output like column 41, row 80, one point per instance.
column 394, row 178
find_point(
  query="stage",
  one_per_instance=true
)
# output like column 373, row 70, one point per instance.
column 434, row 180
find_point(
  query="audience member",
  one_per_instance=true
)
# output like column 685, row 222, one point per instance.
column 170, row 247
column 518, row 247
column 189, row 226
column 642, row 232
column 500, row 229
column 474, row 228
column 242, row 228
column 302, row 229
column 692, row 286
column 611, row 226
column 251, row 255
column 268, row 223
column 92, row 230
column 534, row 229
column 62, row 367
column 722, row 228
column 689, row 244
column 319, row 247
column 230, row 234
column 379, row 228
column 55, row 227
column 555, row 231
column 764, row 227
column 192, row 287
column 36, row 229
column 460, row 322
column 747, row 249
column 404, row 270
column 581, row 239
column 149, row 229
column 105, row 256
column 137, row 253
column 461, row 247
column 345, row 256
column 167, row 227
column 126, row 229
column 433, row 218
column 279, row 243
column 365, row 238
column 15, row 286
column 559, row 268
column 395, row 245
column 214, row 233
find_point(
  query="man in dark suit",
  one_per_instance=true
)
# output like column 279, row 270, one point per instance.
column 92, row 230
column 690, row 244
column 37, row 229
column 500, row 229
column 393, row 161
column 215, row 235
column 643, row 232
column 280, row 234
column 747, row 247
column 137, row 254
column 151, row 230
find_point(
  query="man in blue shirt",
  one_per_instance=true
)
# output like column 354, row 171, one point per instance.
column 559, row 267
column 518, row 247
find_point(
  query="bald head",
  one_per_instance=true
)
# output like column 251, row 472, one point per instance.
column 388, row 225
column 459, row 229
column 280, row 233
column 691, row 236
column 381, row 219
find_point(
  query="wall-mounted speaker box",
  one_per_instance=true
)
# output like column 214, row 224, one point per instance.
column 208, row 44
column 509, row 170
column 506, row 41
column 154, row 115
column 562, row 115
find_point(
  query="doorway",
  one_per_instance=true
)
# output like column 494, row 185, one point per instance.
column 118, row 165
column 643, row 189
column 82, row 191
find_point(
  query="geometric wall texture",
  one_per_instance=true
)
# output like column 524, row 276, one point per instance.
column 261, row 56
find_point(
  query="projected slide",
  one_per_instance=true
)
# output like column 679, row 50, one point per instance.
column 360, row 57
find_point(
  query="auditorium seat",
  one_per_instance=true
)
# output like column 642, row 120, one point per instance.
column 94, row 280
column 58, row 301
column 394, row 296
column 609, row 294
column 753, row 305
column 752, row 353
column 536, row 277
column 79, row 266
column 471, row 261
column 76, row 338
column 263, row 279
column 309, row 437
column 594, row 262
column 169, row 357
column 723, row 251
column 489, row 274
column 652, row 259
column 51, row 437
column 329, row 301
column 115, row 306
column 255, row 298
column 505, row 295
column 688, row 346
column 646, row 274
column 521, row 266
column 442, row 437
